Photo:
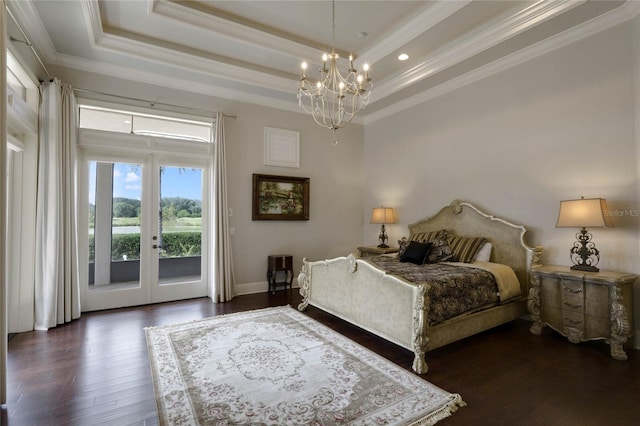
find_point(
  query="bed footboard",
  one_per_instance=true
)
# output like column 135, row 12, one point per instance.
column 366, row 296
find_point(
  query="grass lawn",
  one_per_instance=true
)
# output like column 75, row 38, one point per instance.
column 182, row 222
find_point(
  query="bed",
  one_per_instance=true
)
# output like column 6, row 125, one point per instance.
column 402, row 308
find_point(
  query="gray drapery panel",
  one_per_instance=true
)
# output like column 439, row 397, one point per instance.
column 223, row 282
column 57, row 290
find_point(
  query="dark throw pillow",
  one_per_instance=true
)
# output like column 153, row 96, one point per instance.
column 416, row 253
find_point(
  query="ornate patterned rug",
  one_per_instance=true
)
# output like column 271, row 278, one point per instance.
column 276, row 366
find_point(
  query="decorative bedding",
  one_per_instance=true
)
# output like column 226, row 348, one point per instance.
column 454, row 288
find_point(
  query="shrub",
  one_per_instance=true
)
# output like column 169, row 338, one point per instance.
column 174, row 244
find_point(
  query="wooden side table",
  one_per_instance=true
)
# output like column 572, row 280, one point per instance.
column 279, row 271
column 368, row 251
column 583, row 305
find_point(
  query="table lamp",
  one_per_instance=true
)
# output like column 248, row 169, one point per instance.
column 383, row 215
column 583, row 213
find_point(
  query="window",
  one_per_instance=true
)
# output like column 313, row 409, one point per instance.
column 118, row 121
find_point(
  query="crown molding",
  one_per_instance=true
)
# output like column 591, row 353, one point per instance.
column 256, row 36
column 492, row 33
column 138, row 49
column 630, row 10
column 91, row 12
column 215, row 91
column 102, row 39
column 397, row 37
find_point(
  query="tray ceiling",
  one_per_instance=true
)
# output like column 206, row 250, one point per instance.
column 252, row 50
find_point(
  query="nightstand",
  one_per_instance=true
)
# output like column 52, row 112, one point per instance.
column 368, row 251
column 583, row 305
column 279, row 271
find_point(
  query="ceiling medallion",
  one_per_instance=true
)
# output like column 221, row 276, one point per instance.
column 334, row 100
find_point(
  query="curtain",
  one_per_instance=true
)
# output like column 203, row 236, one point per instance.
column 3, row 205
column 57, row 287
column 222, row 285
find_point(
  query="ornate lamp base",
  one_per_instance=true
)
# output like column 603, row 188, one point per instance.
column 584, row 254
column 383, row 237
column 587, row 268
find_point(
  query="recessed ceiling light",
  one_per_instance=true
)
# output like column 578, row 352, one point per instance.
column 403, row 57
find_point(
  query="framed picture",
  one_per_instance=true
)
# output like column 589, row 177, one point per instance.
column 281, row 147
column 280, row 198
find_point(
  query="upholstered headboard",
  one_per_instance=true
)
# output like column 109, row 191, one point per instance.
column 465, row 220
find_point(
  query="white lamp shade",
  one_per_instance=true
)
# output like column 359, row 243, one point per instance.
column 383, row 215
column 583, row 213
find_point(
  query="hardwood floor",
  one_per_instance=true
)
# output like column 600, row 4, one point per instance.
column 94, row 371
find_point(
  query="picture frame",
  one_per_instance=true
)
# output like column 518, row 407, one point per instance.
column 281, row 147
column 280, row 197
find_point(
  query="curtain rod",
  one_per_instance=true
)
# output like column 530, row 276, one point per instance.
column 151, row 103
column 26, row 41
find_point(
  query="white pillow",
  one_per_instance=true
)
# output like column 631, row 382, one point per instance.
column 484, row 254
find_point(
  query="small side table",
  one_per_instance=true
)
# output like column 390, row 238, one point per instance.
column 369, row 251
column 280, row 271
column 583, row 305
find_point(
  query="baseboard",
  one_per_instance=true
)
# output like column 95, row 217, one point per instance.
column 257, row 287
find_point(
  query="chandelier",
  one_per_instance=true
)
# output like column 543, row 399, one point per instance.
column 334, row 99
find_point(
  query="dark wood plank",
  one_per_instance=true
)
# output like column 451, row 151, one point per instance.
column 95, row 371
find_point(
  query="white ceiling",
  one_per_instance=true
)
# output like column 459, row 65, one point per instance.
column 252, row 50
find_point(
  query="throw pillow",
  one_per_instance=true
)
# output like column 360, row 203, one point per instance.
column 440, row 251
column 484, row 254
column 416, row 253
column 465, row 248
column 402, row 247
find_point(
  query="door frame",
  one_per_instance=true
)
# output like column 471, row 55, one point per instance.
column 118, row 147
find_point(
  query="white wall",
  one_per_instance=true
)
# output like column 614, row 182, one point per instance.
column 557, row 127
column 335, row 224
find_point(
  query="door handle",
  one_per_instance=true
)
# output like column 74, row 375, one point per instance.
column 155, row 246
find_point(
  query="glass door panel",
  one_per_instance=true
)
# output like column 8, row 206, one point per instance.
column 179, row 247
column 180, row 224
column 115, row 214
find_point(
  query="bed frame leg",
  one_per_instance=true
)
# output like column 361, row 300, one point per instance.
column 420, row 330
column 419, row 364
column 303, row 282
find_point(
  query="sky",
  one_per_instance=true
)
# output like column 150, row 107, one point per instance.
column 127, row 182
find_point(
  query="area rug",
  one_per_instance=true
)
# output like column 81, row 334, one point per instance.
column 277, row 366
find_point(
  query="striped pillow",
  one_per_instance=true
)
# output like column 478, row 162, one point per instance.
column 426, row 237
column 465, row 248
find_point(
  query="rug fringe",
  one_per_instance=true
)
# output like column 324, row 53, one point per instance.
column 443, row 412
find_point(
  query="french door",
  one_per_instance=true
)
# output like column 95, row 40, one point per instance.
column 146, row 223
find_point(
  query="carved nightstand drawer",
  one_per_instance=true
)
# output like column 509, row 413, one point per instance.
column 572, row 287
column 573, row 319
column 598, row 308
column 583, row 305
column 573, row 303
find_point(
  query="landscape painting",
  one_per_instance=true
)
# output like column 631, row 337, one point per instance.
column 280, row 198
